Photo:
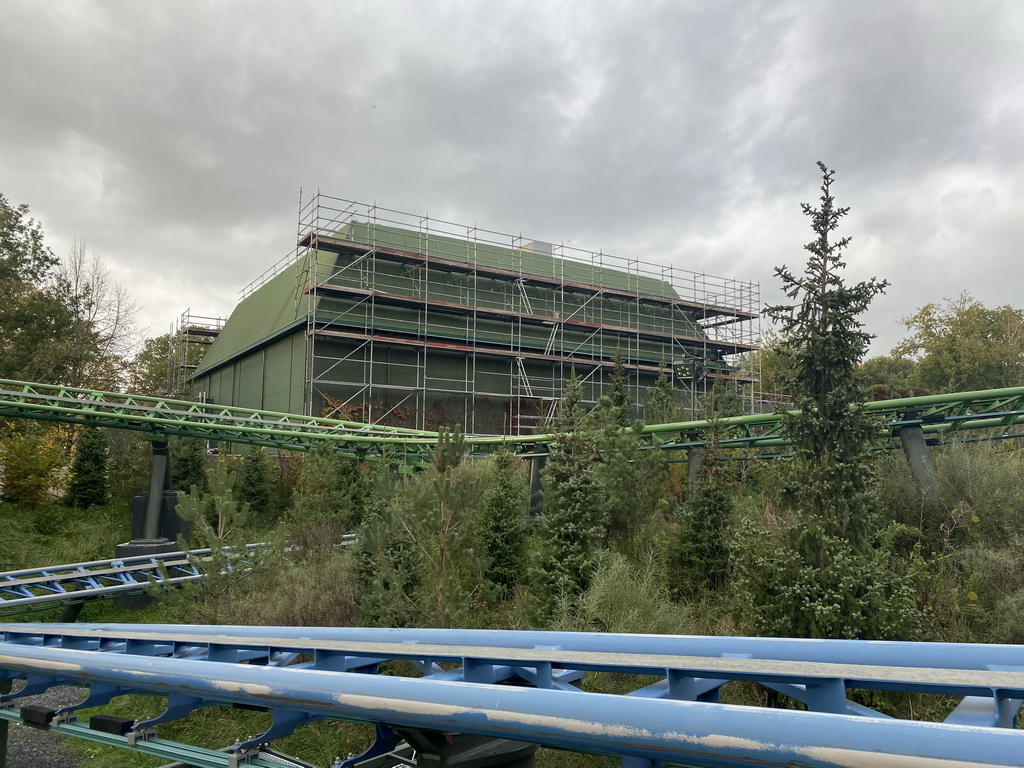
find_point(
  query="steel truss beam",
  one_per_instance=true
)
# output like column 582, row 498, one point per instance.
column 939, row 416
column 41, row 588
column 674, row 719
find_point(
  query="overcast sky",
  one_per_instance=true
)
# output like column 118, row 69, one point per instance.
column 174, row 137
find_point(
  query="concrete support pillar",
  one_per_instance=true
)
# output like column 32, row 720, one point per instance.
column 915, row 448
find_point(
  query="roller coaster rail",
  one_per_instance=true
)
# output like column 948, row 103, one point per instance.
column 940, row 417
column 36, row 589
column 305, row 674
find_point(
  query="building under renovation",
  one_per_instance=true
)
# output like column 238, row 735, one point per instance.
column 383, row 316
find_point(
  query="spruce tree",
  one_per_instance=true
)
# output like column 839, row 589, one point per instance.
column 188, row 463
column 825, row 576
column 618, row 393
column 824, row 339
column 502, row 525
column 662, row 406
column 88, row 485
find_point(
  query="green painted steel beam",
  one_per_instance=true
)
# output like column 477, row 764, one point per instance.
column 940, row 416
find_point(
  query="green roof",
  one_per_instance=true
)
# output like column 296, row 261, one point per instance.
column 281, row 304
column 524, row 260
column 260, row 317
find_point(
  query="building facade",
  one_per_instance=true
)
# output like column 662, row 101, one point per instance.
column 381, row 316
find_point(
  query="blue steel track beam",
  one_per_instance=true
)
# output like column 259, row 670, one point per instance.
column 685, row 667
column 691, row 733
column 868, row 652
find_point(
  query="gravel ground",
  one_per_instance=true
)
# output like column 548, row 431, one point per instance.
column 35, row 748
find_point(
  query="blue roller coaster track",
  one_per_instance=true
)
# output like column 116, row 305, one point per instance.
column 524, row 688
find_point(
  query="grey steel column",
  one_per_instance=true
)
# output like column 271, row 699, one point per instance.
column 915, row 448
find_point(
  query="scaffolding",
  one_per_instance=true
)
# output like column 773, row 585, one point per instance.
column 422, row 322
column 190, row 336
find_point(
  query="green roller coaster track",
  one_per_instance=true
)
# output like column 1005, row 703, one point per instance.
column 940, row 417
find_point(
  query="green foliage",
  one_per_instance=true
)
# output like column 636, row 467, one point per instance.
column 891, row 376
column 188, row 463
column 331, row 499
column 419, row 565
column 631, row 477
column 216, row 513
column 809, row 582
column 698, row 552
column 573, row 524
column 254, row 480
column 31, row 462
column 88, row 486
column 502, row 527
column 230, row 571
column 626, row 596
column 34, row 315
column 150, row 369
column 965, row 345
column 723, row 399
column 770, row 363
column 662, row 406
column 824, row 572
column 450, row 449
column 823, row 337
column 618, row 393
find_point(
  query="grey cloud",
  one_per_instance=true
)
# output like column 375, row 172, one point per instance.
column 175, row 137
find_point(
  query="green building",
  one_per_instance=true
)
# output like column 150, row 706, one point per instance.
column 382, row 316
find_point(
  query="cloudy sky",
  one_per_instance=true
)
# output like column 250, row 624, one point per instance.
column 174, row 138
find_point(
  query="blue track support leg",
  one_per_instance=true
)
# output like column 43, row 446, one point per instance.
column 443, row 749
column 284, row 723
column 384, row 740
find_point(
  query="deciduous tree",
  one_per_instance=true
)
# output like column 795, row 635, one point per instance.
column 963, row 345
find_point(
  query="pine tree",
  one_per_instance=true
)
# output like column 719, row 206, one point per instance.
column 573, row 524
column 88, row 485
column 698, row 553
column 502, row 525
column 331, row 499
column 254, row 480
